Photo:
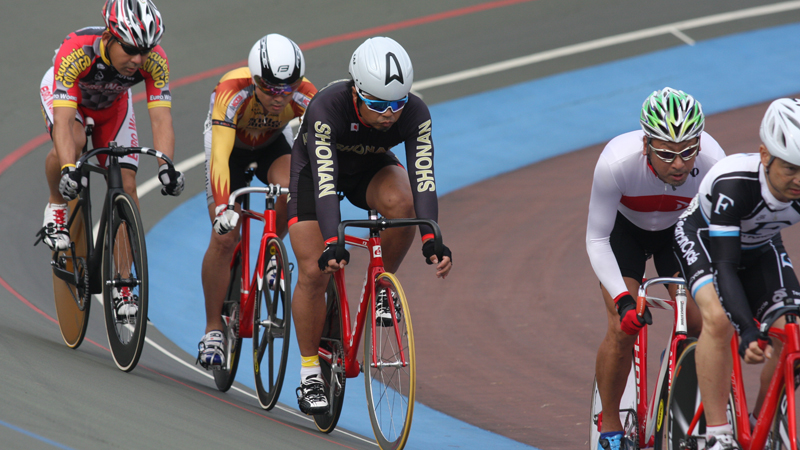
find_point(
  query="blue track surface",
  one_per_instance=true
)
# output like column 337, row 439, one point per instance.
column 476, row 139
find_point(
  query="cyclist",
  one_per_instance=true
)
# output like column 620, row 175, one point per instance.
column 730, row 234
column 248, row 121
column 344, row 146
column 92, row 74
column 642, row 182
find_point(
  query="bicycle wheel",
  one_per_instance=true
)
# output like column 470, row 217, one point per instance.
column 272, row 324
column 660, row 416
column 125, row 265
column 627, row 413
column 684, row 399
column 73, row 301
column 389, row 369
column 224, row 375
column 333, row 371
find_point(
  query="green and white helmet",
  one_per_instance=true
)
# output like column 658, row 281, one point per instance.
column 672, row 115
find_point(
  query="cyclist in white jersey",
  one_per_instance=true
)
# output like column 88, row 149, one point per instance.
column 730, row 235
column 642, row 182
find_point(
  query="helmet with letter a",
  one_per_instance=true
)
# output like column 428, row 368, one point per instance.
column 780, row 130
column 134, row 22
column 381, row 68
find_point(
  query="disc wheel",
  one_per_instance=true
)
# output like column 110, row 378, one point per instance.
column 333, row 371
column 272, row 323
column 225, row 375
column 389, row 368
column 73, row 301
column 125, row 266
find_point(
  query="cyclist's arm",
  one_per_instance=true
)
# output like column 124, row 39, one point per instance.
column 419, row 155
column 324, row 161
column 725, row 250
column 222, row 140
column 163, row 133
column 603, row 204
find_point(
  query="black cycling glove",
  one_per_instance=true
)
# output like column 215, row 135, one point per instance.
column 428, row 251
column 332, row 252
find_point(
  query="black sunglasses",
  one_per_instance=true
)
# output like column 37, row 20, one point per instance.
column 133, row 51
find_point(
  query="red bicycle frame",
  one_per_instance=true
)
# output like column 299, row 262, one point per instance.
column 247, row 297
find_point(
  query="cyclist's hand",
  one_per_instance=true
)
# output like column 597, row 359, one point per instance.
column 751, row 349
column 70, row 184
column 629, row 321
column 172, row 185
column 226, row 219
column 442, row 267
column 333, row 260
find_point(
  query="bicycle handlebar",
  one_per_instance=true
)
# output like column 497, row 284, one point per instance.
column 272, row 190
column 774, row 315
column 382, row 223
column 641, row 300
column 121, row 151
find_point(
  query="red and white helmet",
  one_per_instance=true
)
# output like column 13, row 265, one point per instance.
column 134, row 22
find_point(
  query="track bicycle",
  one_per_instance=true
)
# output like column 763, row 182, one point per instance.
column 115, row 258
column 643, row 422
column 776, row 427
column 254, row 307
column 388, row 359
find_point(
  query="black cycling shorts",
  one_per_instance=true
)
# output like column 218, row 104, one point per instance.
column 633, row 246
column 353, row 186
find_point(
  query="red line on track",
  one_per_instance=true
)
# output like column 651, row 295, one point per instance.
column 31, row 145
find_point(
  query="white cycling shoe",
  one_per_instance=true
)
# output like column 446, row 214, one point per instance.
column 56, row 234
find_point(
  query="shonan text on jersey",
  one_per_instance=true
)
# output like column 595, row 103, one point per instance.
column 735, row 200
column 83, row 74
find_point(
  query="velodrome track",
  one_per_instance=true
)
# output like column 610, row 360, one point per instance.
column 527, row 379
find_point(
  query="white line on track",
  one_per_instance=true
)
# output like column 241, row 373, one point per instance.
column 675, row 29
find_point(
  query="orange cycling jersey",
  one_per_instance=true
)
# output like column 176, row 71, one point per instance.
column 84, row 75
column 239, row 120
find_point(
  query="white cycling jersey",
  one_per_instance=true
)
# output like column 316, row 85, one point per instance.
column 625, row 182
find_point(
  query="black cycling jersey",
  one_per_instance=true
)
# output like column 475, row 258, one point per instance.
column 734, row 222
column 335, row 142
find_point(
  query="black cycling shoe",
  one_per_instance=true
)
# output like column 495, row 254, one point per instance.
column 311, row 396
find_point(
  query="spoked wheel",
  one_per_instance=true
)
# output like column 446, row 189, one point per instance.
column 331, row 361
column 224, row 375
column 627, row 413
column 73, row 300
column 272, row 323
column 389, row 367
column 125, row 269
column 684, row 401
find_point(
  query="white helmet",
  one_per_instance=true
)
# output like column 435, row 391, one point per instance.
column 780, row 130
column 276, row 60
column 381, row 67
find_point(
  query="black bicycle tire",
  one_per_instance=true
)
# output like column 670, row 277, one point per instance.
column 663, row 400
column 332, row 340
column 225, row 376
column 395, row 395
column 73, row 321
column 281, row 301
column 126, row 354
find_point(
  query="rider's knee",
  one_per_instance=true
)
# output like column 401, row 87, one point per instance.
column 716, row 324
column 397, row 203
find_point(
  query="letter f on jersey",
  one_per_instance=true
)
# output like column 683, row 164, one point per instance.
column 723, row 203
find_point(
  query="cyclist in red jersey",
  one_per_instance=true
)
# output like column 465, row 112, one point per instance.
column 91, row 78
column 344, row 146
column 248, row 121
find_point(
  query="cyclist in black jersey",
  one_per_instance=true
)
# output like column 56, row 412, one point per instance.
column 730, row 248
column 344, row 146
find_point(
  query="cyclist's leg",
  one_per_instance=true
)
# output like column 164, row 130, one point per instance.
column 389, row 192
column 308, row 305
column 614, row 362
column 713, row 356
column 278, row 165
column 215, row 271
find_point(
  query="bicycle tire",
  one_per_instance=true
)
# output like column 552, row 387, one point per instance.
column 663, row 401
column 73, row 301
column 391, row 382
column 333, row 372
column 684, row 398
column 126, row 255
column 226, row 374
column 272, row 325
column 628, row 415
